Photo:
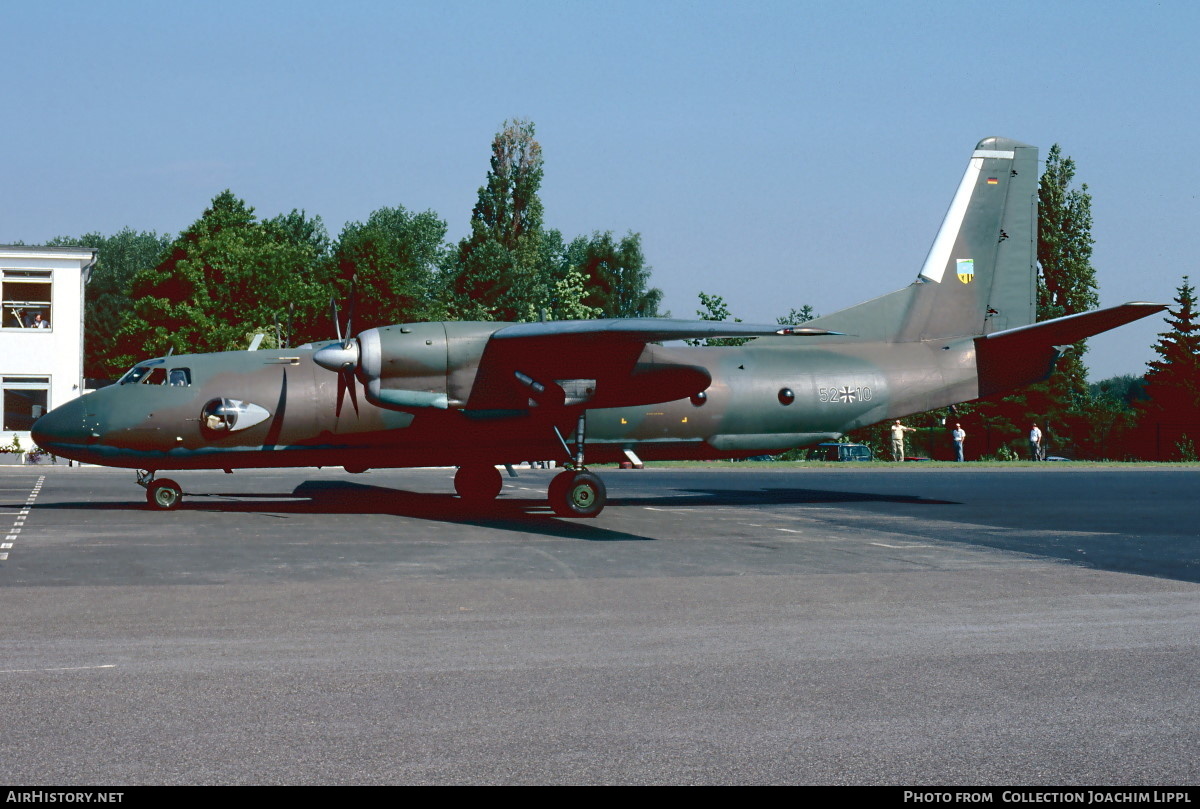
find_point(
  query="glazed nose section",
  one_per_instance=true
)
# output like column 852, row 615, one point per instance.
column 63, row 426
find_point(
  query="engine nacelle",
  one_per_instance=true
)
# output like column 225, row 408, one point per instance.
column 420, row 365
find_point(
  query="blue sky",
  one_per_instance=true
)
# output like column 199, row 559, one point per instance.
column 776, row 154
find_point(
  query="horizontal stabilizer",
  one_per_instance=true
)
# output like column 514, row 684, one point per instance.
column 1073, row 328
column 1015, row 357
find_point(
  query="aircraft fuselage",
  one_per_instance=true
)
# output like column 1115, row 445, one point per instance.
column 760, row 399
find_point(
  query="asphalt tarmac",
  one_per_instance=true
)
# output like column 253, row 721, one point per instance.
column 962, row 626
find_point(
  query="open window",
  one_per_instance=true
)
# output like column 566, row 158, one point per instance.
column 26, row 299
column 25, row 399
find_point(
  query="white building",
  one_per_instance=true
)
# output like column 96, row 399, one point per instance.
column 41, row 333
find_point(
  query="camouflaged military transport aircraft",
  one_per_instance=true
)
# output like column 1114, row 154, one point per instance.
column 478, row 395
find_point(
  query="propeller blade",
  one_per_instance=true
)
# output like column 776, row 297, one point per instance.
column 345, row 382
column 350, row 314
column 334, row 311
column 353, row 394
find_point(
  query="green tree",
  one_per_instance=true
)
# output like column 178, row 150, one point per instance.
column 794, row 316
column 1173, row 380
column 498, row 269
column 715, row 308
column 297, row 227
column 563, row 299
column 226, row 276
column 395, row 255
column 106, row 297
column 1066, row 286
column 1067, row 282
column 616, row 275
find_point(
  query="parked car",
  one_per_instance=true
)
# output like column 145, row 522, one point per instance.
column 831, row 451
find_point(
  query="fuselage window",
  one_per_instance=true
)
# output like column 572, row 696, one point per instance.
column 180, row 377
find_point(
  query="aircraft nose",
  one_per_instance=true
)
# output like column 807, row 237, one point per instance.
column 62, row 426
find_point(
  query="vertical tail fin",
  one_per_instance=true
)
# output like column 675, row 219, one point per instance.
column 980, row 275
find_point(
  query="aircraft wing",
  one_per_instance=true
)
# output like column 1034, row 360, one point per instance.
column 600, row 363
column 647, row 330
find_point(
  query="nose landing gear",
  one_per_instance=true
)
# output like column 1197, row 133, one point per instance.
column 165, row 494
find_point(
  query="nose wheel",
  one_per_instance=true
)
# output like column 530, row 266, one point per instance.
column 165, row 494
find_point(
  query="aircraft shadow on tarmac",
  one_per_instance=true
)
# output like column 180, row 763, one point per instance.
column 1112, row 552
column 528, row 515
column 531, row 516
column 768, row 497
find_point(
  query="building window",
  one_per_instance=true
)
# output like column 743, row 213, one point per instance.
column 24, row 400
column 25, row 299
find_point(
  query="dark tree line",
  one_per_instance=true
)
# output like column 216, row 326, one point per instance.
column 231, row 275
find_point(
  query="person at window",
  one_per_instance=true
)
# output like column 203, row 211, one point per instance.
column 39, row 322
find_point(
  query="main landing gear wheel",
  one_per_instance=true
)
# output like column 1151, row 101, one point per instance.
column 478, row 484
column 164, row 494
column 577, row 494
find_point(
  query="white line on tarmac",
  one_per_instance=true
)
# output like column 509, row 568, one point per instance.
column 71, row 668
column 22, row 516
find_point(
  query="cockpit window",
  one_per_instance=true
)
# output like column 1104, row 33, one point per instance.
column 137, row 372
column 151, row 372
column 157, row 376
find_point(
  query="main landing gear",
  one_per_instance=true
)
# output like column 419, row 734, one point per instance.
column 165, row 494
column 577, row 492
column 478, row 484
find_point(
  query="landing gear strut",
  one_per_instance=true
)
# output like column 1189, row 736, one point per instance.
column 165, row 494
column 577, row 492
column 478, row 484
